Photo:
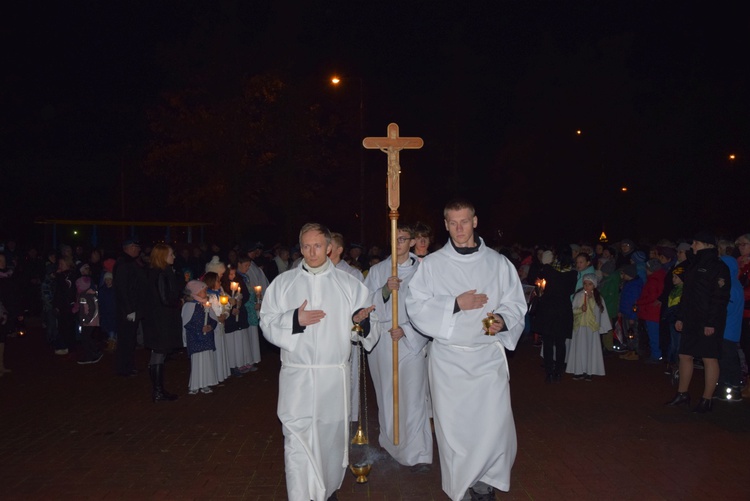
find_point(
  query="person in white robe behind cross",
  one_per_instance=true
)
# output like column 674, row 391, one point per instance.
column 337, row 250
column 453, row 290
column 309, row 312
column 415, row 435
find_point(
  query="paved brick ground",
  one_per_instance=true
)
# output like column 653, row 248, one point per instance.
column 77, row 432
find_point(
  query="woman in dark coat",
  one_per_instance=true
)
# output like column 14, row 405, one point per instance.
column 554, row 315
column 162, row 324
column 701, row 318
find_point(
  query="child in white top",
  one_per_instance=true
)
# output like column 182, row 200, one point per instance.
column 590, row 319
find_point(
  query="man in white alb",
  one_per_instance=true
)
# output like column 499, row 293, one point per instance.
column 453, row 290
column 337, row 250
column 309, row 312
column 415, row 434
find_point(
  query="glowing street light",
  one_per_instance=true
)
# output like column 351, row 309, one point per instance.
column 336, row 80
column 624, row 189
column 732, row 156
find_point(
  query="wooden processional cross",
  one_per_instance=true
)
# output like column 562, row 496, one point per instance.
column 391, row 145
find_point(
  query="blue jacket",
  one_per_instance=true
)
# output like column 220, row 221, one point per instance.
column 631, row 291
column 736, row 302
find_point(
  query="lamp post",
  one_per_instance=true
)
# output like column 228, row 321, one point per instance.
column 336, row 80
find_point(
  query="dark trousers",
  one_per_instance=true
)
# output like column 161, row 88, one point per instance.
column 729, row 364
column 556, row 362
column 89, row 348
column 66, row 330
column 127, row 334
column 745, row 339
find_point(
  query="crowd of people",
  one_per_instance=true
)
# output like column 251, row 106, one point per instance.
column 459, row 307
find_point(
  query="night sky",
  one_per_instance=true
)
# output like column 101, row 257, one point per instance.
column 497, row 90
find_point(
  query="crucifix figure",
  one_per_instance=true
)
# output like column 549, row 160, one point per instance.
column 391, row 145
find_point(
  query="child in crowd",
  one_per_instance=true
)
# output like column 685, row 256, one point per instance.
column 649, row 307
column 609, row 288
column 88, row 318
column 198, row 325
column 214, row 292
column 632, row 285
column 107, row 316
column 590, row 320
column 671, row 316
column 236, row 334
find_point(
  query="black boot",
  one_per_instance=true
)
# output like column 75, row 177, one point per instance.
column 549, row 378
column 157, row 380
column 679, row 399
column 704, row 405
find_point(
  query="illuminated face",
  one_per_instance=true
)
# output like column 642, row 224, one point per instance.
column 421, row 244
column 588, row 286
column 582, row 263
column 460, row 224
column 404, row 242
column 243, row 267
column 744, row 247
column 336, row 251
column 170, row 257
column 314, row 248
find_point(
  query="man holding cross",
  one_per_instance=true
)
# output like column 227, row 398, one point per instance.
column 451, row 293
column 415, row 444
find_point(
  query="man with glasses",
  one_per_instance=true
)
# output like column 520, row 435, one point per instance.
column 415, row 435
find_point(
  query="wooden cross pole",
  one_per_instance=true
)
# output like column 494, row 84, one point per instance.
column 392, row 144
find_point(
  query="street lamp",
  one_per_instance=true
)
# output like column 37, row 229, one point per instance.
column 336, row 80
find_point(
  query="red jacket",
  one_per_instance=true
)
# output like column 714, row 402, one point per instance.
column 649, row 307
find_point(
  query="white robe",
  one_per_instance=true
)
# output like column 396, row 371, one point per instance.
column 314, row 379
column 468, row 371
column 585, row 353
column 415, row 433
column 355, row 384
column 222, row 363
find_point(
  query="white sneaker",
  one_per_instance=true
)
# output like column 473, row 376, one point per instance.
column 206, row 390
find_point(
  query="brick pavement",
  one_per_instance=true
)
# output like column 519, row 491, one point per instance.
column 77, row 432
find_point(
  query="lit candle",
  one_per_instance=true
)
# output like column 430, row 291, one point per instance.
column 234, row 286
column 544, row 284
column 206, row 307
column 258, row 289
column 223, row 299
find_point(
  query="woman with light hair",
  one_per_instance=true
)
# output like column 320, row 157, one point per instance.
column 162, row 324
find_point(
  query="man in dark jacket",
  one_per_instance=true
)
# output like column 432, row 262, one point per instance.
column 701, row 318
column 130, row 288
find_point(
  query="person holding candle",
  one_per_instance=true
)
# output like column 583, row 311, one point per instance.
column 590, row 320
column 236, row 337
column 162, row 327
column 308, row 313
column 553, row 318
column 251, row 303
column 218, row 310
column 198, row 333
